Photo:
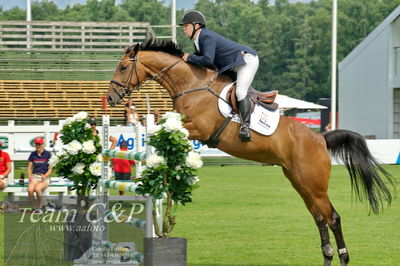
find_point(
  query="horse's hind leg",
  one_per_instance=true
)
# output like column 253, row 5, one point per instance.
column 316, row 199
column 330, row 218
column 336, row 228
column 327, row 250
column 333, row 221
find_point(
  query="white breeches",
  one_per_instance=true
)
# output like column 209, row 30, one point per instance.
column 245, row 75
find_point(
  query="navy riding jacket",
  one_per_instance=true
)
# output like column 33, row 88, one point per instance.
column 216, row 50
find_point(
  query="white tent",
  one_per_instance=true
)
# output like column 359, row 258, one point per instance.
column 286, row 102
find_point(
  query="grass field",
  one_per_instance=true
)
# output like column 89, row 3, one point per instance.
column 250, row 215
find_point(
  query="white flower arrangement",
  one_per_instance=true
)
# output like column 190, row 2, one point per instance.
column 172, row 115
column 80, row 116
column 193, row 160
column 79, row 168
column 80, row 156
column 154, row 160
column 88, row 147
column 152, row 131
column 68, row 121
column 95, row 169
column 99, row 158
column 74, row 147
column 193, row 180
column 54, row 160
column 171, row 172
column 172, row 124
column 184, row 131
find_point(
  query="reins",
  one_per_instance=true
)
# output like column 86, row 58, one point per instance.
column 208, row 88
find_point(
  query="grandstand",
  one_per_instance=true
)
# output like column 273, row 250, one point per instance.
column 51, row 70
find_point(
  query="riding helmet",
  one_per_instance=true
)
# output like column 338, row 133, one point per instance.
column 194, row 17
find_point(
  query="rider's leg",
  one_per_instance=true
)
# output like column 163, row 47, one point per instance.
column 245, row 113
column 245, row 76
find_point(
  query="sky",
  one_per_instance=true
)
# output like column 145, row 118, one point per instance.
column 180, row 4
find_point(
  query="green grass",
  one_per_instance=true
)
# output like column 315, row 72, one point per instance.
column 250, row 215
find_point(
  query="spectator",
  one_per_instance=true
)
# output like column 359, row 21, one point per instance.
column 39, row 172
column 93, row 124
column 328, row 127
column 157, row 116
column 131, row 116
column 5, row 167
column 122, row 168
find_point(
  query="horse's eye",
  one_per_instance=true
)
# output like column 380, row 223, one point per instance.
column 123, row 67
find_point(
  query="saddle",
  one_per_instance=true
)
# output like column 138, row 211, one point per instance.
column 264, row 99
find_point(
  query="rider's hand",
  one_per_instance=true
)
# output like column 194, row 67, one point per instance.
column 185, row 57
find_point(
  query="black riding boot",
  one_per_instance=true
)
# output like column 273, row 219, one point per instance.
column 245, row 113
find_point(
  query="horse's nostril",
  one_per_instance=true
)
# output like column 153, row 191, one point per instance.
column 110, row 100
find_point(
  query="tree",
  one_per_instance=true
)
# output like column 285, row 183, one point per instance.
column 44, row 10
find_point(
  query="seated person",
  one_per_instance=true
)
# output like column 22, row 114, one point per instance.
column 157, row 116
column 92, row 122
column 39, row 172
column 131, row 116
column 5, row 167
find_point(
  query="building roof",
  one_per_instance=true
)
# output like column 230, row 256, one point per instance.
column 371, row 37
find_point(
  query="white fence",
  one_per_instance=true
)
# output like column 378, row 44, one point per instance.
column 71, row 36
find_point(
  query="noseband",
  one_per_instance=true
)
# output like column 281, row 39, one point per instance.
column 126, row 91
column 126, row 88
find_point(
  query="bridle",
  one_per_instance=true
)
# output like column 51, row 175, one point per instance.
column 126, row 85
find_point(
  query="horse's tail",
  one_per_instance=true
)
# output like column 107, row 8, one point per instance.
column 365, row 172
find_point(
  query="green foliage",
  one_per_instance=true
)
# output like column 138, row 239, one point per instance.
column 171, row 172
column 81, row 147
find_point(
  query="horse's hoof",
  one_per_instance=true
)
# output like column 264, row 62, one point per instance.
column 344, row 257
column 327, row 252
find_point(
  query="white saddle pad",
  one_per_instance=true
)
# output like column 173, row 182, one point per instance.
column 262, row 120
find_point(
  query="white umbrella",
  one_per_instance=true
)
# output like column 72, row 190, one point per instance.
column 286, row 102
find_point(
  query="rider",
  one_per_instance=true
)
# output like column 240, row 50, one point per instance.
column 213, row 49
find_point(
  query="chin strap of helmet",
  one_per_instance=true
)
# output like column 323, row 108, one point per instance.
column 195, row 30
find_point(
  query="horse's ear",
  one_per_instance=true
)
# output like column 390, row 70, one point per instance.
column 131, row 51
column 136, row 48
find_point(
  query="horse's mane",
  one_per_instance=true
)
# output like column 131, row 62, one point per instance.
column 167, row 46
column 170, row 47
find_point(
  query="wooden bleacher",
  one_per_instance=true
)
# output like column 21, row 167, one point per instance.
column 54, row 99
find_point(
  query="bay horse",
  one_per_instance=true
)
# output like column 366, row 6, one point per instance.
column 302, row 154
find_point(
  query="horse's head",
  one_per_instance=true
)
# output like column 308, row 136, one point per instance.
column 128, row 74
column 132, row 72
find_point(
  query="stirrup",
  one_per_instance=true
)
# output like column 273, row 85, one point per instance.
column 244, row 133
